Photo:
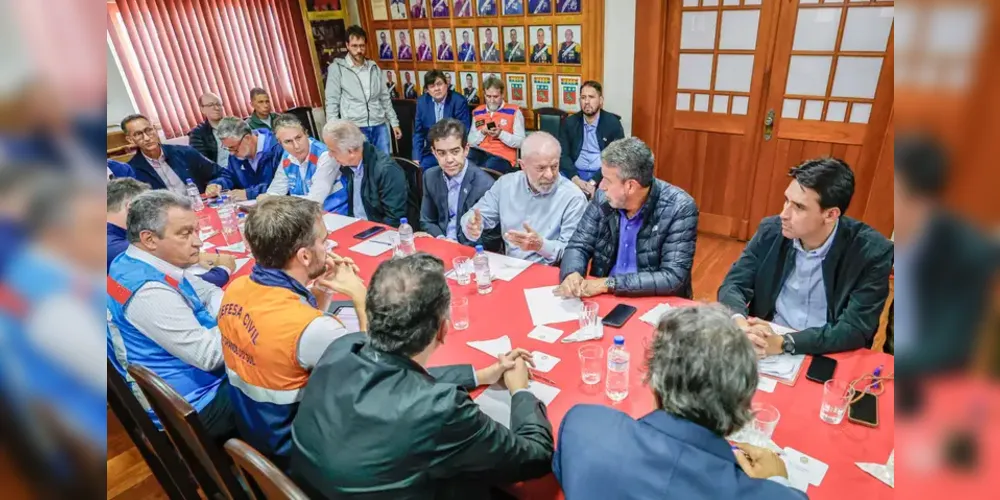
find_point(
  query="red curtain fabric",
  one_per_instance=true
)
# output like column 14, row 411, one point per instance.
column 172, row 51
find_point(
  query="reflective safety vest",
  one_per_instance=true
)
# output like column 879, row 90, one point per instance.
column 504, row 118
column 336, row 202
column 261, row 326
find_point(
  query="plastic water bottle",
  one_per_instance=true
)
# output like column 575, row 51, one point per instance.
column 229, row 222
column 406, row 245
column 616, row 381
column 481, row 264
column 192, row 191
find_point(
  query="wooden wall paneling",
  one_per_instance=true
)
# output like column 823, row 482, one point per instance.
column 654, row 77
column 879, row 209
column 878, row 123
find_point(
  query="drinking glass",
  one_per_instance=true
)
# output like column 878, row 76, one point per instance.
column 462, row 266
column 836, row 394
column 205, row 228
column 591, row 363
column 765, row 419
column 460, row 313
column 588, row 319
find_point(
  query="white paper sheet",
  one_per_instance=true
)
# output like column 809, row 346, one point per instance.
column 494, row 347
column 581, row 336
column 748, row 435
column 206, row 246
column 652, row 317
column 546, row 308
column 240, row 263
column 238, row 247
column 766, row 384
column 334, row 222
column 545, row 334
column 883, row 472
column 784, row 367
column 813, row 469
column 505, row 268
column 495, row 400
column 378, row 245
column 349, row 317
column 544, row 362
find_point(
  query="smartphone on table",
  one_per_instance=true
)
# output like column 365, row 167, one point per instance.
column 864, row 411
column 821, row 369
column 618, row 316
column 368, row 233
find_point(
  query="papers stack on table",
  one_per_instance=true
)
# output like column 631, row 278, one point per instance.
column 505, row 268
column 652, row 317
column 784, row 367
column 546, row 307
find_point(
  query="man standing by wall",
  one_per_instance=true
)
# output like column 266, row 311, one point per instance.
column 354, row 92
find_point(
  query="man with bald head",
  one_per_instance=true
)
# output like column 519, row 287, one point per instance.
column 536, row 208
column 204, row 138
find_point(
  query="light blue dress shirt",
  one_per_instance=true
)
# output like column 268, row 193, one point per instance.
column 589, row 161
column 359, row 206
column 438, row 111
column 454, row 189
column 801, row 302
column 554, row 215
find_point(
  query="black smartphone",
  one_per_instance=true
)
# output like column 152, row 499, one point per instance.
column 821, row 369
column 491, row 125
column 368, row 233
column 618, row 316
column 864, row 411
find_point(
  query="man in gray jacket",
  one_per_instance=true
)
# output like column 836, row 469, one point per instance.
column 355, row 91
column 638, row 234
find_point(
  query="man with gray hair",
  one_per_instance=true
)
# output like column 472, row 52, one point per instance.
column 161, row 315
column 254, row 155
column 537, row 209
column 376, row 422
column 204, row 138
column 376, row 186
column 702, row 371
column 638, row 234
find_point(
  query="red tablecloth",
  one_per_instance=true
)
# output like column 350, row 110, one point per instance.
column 505, row 312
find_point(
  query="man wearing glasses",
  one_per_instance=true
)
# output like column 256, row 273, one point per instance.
column 165, row 166
column 253, row 157
column 205, row 137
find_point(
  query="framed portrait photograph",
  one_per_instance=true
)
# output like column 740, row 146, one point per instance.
column 404, row 47
column 445, row 51
column 513, row 51
column 541, row 46
column 567, row 6
column 418, row 9
column 493, row 74
column 464, row 8
column 451, row 78
column 466, row 40
column 470, row 87
column 411, row 87
column 390, row 83
column 569, row 51
column 420, row 78
column 439, row 8
column 513, row 7
column 397, row 9
column 487, row 8
column 425, row 47
column 536, row 7
column 384, row 45
column 489, row 44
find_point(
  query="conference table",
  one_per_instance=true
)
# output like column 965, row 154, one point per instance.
column 505, row 312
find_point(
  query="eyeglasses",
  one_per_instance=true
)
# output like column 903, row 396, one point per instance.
column 236, row 148
column 212, row 105
column 148, row 131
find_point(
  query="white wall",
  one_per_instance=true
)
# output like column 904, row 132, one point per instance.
column 619, row 58
column 120, row 102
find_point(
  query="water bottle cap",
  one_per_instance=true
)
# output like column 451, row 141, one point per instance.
column 403, row 220
column 189, row 180
column 479, row 248
column 619, row 340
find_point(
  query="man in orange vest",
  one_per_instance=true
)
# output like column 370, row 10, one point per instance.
column 274, row 326
column 497, row 128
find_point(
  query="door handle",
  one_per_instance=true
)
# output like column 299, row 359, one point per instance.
column 769, row 125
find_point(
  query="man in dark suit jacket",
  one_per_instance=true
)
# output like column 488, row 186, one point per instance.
column 376, row 423
column 203, row 137
column 436, row 104
column 812, row 269
column 382, row 194
column 584, row 135
column 453, row 187
column 703, row 374
column 165, row 166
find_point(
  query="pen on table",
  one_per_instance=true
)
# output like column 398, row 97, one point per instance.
column 536, row 376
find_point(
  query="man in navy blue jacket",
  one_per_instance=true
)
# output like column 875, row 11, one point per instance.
column 254, row 156
column 435, row 105
column 703, row 373
column 120, row 194
column 165, row 166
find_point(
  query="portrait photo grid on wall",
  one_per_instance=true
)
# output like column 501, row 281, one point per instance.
column 474, row 40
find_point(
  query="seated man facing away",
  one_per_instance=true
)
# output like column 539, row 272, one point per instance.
column 536, row 208
column 454, row 186
column 703, row 374
column 374, row 422
column 273, row 327
column 254, row 155
column 120, row 194
column 507, row 133
column 812, row 269
column 376, row 186
column 166, row 166
column 306, row 168
column 437, row 103
column 637, row 235
column 584, row 135
column 162, row 316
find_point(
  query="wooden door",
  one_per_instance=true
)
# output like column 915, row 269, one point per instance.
column 831, row 94
column 716, row 69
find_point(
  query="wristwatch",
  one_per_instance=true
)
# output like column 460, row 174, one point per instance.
column 788, row 344
column 610, row 284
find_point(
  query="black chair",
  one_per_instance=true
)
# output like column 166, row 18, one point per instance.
column 406, row 112
column 207, row 462
column 415, row 181
column 304, row 114
column 273, row 483
column 549, row 120
column 489, row 160
column 493, row 173
column 155, row 448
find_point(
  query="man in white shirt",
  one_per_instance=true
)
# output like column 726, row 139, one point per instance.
column 306, row 168
column 497, row 128
column 161, row 315
column 274, row 324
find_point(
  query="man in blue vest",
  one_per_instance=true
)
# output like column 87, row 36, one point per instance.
column 165, row 166
column 253, row 157
column 306, row 169
column 162, row 316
